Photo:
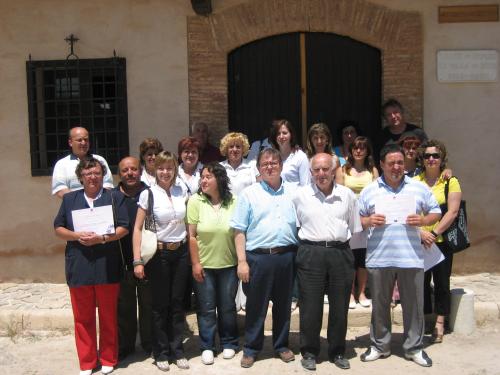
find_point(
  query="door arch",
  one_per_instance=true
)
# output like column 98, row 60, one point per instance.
column 306, row 78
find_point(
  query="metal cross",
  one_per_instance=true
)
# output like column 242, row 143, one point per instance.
column 71, row 40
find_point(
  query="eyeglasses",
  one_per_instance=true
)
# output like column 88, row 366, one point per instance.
column 271, row 164
column 434, row 155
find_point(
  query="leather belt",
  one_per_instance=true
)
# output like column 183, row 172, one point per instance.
column 336, row 244
column 170, row 245
column 274, row 250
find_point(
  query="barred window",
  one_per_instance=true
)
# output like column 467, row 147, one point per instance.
column 91, row 93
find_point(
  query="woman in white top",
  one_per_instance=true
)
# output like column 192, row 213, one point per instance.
column 241, row 173
column 190, row 167
column 148, row 149
column 168, row 270
column 295, row 162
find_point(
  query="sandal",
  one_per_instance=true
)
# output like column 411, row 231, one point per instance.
column 438, row 332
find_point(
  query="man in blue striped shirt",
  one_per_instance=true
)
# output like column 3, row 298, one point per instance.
column 394, row 250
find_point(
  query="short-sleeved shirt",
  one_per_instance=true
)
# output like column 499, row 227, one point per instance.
column 296, row 169
column 326, row 218
column 340, row 156
column 97, row 264
column 266, row 216
column 147, row 178
column 169, row 214
column 358, row 182
column 396, row 245
column 241, row 176
column 438, row 191
column 130, row 203
column 214, row 235
column 190, row 184
column 64, row 176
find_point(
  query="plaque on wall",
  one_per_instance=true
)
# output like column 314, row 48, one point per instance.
column 467, row 65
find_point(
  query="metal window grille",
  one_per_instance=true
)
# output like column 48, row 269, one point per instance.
column 77, row 92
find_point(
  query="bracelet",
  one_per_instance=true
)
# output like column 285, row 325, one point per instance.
column 138, row 262
column 103, row 239
column 434, row 233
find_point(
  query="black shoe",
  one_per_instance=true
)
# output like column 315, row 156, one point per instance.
column 124, row 353
column 341, row 362
column 309, row 363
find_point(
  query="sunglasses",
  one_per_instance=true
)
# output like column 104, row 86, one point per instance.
column 434, row 155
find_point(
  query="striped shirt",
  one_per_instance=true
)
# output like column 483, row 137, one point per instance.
column 396, row 245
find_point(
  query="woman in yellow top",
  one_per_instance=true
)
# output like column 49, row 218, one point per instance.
column 358, row 171
column 433, row 154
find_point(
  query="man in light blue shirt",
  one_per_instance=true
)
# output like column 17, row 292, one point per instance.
column 266, row 242
column 395, row 250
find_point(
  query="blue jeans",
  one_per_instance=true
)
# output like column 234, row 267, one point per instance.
column 217, row 308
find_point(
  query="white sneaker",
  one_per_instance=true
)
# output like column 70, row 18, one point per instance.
column 365, row 302
column 182, row 363
column 228, row 353
column 85, row 372
column 107, row 369
column 207, row 357
column 420, row 358
column 163, row 365
column 352, row 304
column 372, row 354
column 325, row 299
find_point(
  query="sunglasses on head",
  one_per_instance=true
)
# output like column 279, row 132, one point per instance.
column 434, row 155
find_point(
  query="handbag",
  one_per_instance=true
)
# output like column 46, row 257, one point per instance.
column 149, row 240
column 456, row 236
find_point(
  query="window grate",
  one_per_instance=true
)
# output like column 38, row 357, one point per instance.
column 65, row 93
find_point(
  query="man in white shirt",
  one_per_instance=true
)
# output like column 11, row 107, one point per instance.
column 64, row 178
column 327, row 215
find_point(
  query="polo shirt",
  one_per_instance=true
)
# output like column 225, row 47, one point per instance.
column 64, row 176
column 169, row 215
column 214, row 236
column 396, row 245
column 296, row 168
column 326, row 218
column 266, row 216
column 241, row 176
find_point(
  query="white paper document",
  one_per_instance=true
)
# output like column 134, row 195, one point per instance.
column 98, row 220
column 396, row 208
column 432, row 256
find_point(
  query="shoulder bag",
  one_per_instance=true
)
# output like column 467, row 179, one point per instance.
column 456, row 236
column 149, row 240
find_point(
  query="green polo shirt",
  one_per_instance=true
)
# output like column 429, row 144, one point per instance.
column 214, row 236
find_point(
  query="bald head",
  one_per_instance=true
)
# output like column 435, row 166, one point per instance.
column 78, row 140
column 322, row 170
column 130, row 172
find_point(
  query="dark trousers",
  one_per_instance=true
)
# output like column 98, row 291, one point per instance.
column 440, row 274
column 134, row 293
column 167, row 274
column 271, row 279
column 321, row 269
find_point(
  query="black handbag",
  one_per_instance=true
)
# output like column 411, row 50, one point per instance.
column 456, row 236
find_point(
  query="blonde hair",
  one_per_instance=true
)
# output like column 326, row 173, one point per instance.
column 167, row 157
column 234, row 137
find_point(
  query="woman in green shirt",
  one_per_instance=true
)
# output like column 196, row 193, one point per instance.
column 213, row 258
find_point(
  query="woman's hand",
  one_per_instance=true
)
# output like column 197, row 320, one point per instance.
column 89, row 238
column 198, row 273
column 243, row 272
column 427, row 238
column 139, row 271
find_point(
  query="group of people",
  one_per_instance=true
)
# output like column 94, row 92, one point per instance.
column 246, row 232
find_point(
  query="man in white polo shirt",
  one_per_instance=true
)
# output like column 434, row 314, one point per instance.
column 327, row 214
column 394, row 250
column 64, row 178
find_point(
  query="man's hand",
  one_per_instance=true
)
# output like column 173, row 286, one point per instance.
column 377, row 220
column 415, row 220
column 243, row 271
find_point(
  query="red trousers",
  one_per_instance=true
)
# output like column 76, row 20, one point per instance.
column 84, row 300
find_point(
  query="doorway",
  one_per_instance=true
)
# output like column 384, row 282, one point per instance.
column 306, row 78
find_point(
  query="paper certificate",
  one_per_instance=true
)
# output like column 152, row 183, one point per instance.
column 98, row 220
column 432, row 256
column 396, row 208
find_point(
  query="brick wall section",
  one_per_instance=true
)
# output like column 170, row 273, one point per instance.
column 397, row 34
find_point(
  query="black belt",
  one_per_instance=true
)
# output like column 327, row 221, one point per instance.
column 274, row 250
column 336, row 244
